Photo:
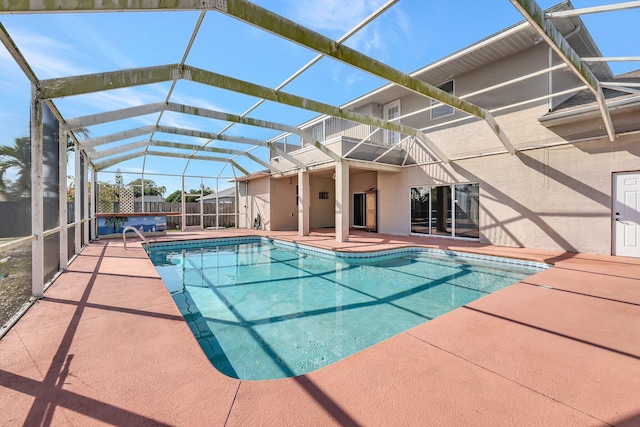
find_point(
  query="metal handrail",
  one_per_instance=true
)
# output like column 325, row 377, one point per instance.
column 132, row 228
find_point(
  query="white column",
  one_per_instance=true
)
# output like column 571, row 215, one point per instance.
column 201, row 204
column 183, row 203
column 37, row 207
column 93, row 222
column 218, row 206
column 85, row 197
column 62, row 194
column 78, row 200
column 141, row 194
column 342, row 201
column 304, row 202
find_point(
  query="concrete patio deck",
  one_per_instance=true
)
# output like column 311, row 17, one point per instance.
column 107, row 346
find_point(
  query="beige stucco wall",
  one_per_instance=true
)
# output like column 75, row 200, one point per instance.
column 284, row 212
column 322, row 213
column 255, row 199
column 551, row 198
column 360, row 182
column 393, row 215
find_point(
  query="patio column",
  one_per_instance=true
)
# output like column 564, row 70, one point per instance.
column 342, row 201
column 183, row 207
column 85, row 198
column 77, row 212
column 62, row 197
column 92, row 194
column 304, row 202
column 37, row 206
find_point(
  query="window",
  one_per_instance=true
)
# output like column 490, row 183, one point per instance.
column 317, row 133
column 435, row 212
column 391, row 111
column 442, row 110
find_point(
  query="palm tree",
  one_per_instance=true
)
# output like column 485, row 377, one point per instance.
column 17, row 156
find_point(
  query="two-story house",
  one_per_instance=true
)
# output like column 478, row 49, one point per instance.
column 550, row 177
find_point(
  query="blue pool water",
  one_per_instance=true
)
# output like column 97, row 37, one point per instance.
column 261, row 309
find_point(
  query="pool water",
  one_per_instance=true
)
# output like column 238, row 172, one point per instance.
column 264, row 310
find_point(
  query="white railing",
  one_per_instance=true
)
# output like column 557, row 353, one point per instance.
column 124, row 236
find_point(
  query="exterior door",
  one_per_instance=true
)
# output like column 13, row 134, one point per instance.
column 359, row 210
column 626, row 214
column 371, row 206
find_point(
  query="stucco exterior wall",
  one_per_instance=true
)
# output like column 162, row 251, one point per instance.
column 322, row 213
column 284, row 212
column 255, row 199
column 393, row 203
column 360, row 182
column 553, row 198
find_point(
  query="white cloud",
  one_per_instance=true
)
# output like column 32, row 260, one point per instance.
column 332, row 15
column 335, row 17
column 47, row 57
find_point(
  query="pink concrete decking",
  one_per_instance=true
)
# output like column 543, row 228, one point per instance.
column 107, row 346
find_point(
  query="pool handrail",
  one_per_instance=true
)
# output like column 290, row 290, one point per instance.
column 124, row 236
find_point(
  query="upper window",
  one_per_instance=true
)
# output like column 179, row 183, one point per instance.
column 443, row 110
column 390, row 112
column 317, row 133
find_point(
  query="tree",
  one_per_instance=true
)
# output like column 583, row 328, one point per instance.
column 150, row 188
column 174, row 197
column 17, row 156
column 119, row 186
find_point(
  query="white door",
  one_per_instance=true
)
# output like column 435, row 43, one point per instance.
column 626, row 214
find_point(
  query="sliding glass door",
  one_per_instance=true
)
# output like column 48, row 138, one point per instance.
column 435, row 212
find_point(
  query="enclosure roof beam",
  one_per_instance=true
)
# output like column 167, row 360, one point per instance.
column 276, row 24
column 112, row 116
column 186, row 156
column 210, row 149
column 90, row 144
column 263, row 163
column 95, row 155
column 53, row 6
column 594, row 9
column 140, row 110
column 189, row 156
column 383, row 8
column 236, row 139
column 16, row 54
column 548, row 31
column 292, row 31
column 67, row 86
column 116, row 160
column 129, row 147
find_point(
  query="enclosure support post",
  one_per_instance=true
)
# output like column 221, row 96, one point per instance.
column 342, row 201
column 78, row 201
column 94, row 180
column 218, row 206
column 201, row 204
column 304, row 202
column 85, row 198
column 62, row 196
column 141, row 194
column 183, row 206
column 37, row 207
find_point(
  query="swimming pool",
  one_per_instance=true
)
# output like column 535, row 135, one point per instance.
column 263, row 309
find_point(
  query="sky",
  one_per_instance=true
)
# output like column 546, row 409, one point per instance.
column 408, row 36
